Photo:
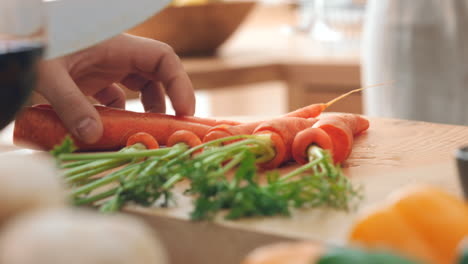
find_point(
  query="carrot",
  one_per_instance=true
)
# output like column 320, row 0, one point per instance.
column 315, row 110
column 341, row 128
column 184, row 136
column 191, row 119
column 42, row 128
column 309, row 111
column 143, row 138
column 286, row 128
column 223, row 131
column 280, row 151
column 307, row 138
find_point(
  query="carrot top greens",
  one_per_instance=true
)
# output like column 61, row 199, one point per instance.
column 223, row 178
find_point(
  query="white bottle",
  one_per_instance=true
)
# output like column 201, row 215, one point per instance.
column 422, row 45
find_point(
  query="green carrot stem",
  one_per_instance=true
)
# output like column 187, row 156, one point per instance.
column 233, row 162
column 225, row 155
column 133, row 170
column 74, row 164
column 116, row 155
column 315, row 152
column 178, row 153
column 151, row 166
column 89, row 173
column 217, row 141
column 171, row 181
column 97, row 197
column 269, row 155
column 208, row 159
column 103, row 181
column 227, row 148
column 89, row 166
column 300, row 169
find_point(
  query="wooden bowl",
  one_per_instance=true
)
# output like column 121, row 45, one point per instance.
column 195, row 30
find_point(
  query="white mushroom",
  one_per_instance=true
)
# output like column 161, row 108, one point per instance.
column 77, row 237
column 28, row 181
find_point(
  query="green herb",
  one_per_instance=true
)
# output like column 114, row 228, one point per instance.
column 317, row 184
column 223, row 178
column 66, row 147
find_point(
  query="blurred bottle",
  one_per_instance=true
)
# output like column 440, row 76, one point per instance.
column 22, row 39
column 423, row 46
column 337, row 21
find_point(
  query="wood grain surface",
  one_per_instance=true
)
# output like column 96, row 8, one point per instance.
column 392, row 154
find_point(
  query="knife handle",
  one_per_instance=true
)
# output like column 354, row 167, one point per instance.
column 462, row 164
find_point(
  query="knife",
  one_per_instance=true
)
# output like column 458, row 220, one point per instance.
column 73, row 25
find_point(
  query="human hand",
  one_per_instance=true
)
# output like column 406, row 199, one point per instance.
column 139, row 64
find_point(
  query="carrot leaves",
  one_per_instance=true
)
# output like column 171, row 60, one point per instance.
column 66, row 147
column 222, row 179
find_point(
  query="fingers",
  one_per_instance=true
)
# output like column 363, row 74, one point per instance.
column 152, row 93
column 73, row 108
column 135, row 82
column 112, row 96
column 158, row 62
column 153, row 98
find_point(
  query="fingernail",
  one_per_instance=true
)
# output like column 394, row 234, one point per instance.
column 87, row 130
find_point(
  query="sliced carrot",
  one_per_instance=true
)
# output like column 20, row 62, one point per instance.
column 286, row 128
column 280, row 151
column 222, row 131
column 341, row 128
column 143, row 138
column 307, row 138
column 184, row 136
column 341, row 137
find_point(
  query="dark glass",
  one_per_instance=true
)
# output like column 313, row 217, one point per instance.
column 18, row 70
column 462, row 164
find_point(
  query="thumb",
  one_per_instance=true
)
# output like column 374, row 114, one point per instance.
column 71, row 105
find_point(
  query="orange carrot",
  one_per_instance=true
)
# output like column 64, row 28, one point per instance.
column 307, row 138
column 223, row 131
column 309, row 111
column 184, row 136
column 280, row 151
column 286, row 128
column 191, row 119
column 315, row 110
column 143, row 138
column 42, row 128
column 341, row 128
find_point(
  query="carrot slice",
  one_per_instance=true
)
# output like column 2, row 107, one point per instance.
column 307, row 138
column 184, row 136
column 280, row 151
column 143, row 138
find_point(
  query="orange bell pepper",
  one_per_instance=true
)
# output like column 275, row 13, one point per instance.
column 419, row 221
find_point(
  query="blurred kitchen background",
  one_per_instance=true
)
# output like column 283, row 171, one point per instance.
column 263, row 58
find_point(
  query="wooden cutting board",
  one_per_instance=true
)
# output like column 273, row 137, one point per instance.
column 392, row 154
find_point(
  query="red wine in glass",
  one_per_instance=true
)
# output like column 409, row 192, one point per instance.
column 22, row 36
column 18, row 74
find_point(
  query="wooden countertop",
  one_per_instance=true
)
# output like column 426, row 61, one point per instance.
column 393, row 153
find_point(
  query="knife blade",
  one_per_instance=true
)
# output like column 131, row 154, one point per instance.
column 73, row 25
